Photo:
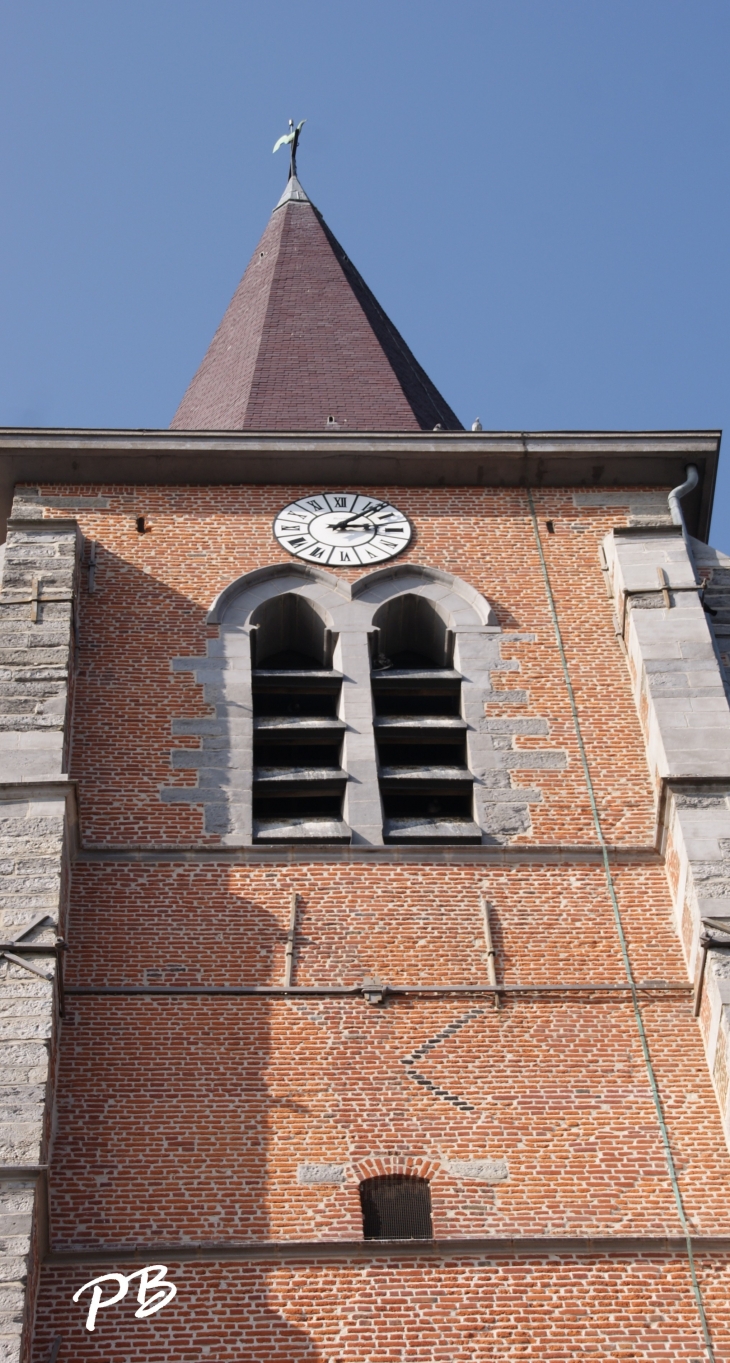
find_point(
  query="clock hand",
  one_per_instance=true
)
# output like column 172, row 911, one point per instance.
column 340, row 525
column 362, row 525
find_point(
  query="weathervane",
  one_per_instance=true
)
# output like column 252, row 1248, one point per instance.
column 291, row 139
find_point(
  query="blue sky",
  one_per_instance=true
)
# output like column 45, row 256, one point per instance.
column 536, row 190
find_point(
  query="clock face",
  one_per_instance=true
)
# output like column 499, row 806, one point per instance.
column 342, row 528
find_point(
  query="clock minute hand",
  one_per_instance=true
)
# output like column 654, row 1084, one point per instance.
column 340, row 525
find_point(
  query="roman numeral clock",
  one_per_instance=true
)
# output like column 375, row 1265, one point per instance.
column 342, row 528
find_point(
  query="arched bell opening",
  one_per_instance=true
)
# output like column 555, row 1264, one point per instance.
column 426, row 787
column 289, row 634
column 298, row 781
column 409, row 632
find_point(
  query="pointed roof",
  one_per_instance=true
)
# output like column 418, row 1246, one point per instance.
column 305, row 346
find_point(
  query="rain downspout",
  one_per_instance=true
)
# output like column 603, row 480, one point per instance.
column 674, row 499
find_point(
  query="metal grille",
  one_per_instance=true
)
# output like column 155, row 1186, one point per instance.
column 396, row 1207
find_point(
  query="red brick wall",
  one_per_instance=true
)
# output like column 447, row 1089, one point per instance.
column 457, row 1311
column 551, row 920
column 187, row 1118
column 203, row 1103
column 153, row 591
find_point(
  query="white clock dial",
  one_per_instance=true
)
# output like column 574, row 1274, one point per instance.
column 342, row 529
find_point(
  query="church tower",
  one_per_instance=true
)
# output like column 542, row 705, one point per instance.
column 365, row 809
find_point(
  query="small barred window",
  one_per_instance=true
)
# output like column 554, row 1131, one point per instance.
column 396, row 1207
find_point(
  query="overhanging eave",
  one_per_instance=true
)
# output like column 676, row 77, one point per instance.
column 594, row 459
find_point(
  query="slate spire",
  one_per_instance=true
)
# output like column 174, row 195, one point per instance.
column 305, row 346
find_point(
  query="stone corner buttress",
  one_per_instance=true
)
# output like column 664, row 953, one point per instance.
column 37, row 614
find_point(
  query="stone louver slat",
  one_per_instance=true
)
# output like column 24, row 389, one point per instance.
column 37, row 613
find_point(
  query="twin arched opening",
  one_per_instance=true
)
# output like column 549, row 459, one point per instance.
column 359, row 718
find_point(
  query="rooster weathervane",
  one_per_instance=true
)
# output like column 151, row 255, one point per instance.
column 291, row 139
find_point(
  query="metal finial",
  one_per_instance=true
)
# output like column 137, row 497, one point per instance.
column 291, row 139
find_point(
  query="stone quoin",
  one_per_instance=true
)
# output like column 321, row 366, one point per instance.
column 364, row 968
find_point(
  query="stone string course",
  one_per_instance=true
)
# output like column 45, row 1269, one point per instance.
column 190, row 1120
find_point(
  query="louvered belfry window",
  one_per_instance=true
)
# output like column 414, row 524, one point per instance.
column 425, row 783
column 396, row 1207
column 298, row 782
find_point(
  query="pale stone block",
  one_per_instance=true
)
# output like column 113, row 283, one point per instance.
column 479, row 1170
column 321, row 1173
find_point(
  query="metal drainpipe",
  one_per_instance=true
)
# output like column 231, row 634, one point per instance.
column 691, row 481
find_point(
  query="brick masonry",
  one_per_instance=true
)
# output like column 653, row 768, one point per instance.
column 187, row 1122
column 150, row 605
column 473, row 1306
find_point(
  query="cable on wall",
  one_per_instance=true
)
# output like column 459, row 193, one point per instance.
column 622, row 940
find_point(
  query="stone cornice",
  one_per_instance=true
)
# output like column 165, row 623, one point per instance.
column 595, row 459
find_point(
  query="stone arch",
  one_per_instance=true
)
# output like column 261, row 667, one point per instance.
column 236, row 601
column 412, row 1166
column 466, row 607
column 437, row 783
